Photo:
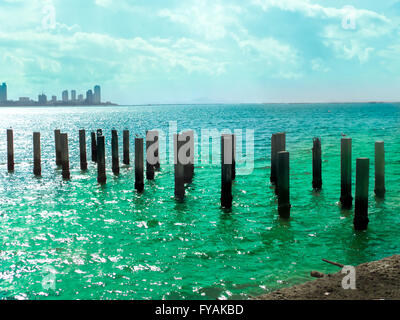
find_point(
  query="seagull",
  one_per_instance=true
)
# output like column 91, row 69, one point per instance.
column 344, row 135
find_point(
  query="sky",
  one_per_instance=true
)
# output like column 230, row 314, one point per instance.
column 203, row 51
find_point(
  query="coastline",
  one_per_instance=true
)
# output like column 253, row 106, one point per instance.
column 376, row 280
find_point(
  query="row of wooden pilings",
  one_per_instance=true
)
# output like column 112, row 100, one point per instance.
column 184, row 166
column 280, row 176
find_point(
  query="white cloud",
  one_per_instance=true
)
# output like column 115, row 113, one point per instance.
column 279, row 59
column 54, row 53
column 319, row 65
column 346, row 43
column 211, row 19
column 104, row 3
column 310, row 9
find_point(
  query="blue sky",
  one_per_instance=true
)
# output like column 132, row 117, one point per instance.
column 203, row 51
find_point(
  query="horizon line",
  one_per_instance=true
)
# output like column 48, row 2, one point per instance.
column 257, row 103
column 207, row 103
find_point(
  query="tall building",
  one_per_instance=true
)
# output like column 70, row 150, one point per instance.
column 97, row 95
column 73, row 95
column 54, row 99
column 89, row 97
column 42, row 99
column 80, row 98
column 3, row 92
column 65, row 96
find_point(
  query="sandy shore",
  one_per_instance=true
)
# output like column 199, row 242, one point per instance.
column 374, row 280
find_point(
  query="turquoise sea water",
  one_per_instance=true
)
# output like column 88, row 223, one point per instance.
column 111, row 243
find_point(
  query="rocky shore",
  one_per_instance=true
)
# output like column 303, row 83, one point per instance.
column 374, row 280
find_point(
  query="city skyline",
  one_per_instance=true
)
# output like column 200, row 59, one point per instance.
column 43, row 99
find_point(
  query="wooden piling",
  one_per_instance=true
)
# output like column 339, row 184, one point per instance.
column 82, row 150
column 189, row 167
column 57, row 141
column 234, row 157
column 361, row 202
column 280, row 145
column 153, row 138
column 179, row 170
column 94, row 147
column 283, row 180
column 126, row 160
column 226, row 171
column 151, row 159
column 273, row 159
column 380, row 189
column 101, row 160
column 10, row 150
column 346, row 198
column 139, row 165
column 37, row 167
column 157, row 166
column 65, row 156
column 317, row 164
column 115, row 152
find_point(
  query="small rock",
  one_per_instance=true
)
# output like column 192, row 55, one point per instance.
column 316, row 274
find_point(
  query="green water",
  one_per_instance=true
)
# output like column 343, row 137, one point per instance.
column 111, row 243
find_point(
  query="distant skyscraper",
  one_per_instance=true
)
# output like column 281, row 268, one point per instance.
column 89, row 97
column 97, row 95
column 80, row 98
column 54, row 99
column 73, row 95
column 65, row 96
column 3, row 92
column 42, row 99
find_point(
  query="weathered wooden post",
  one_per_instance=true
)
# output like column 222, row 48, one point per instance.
column 126, row 160
column 278, row 143
column 65, row 156
column 115, row 153
column 37, row 167
column 189, row 166
column 317, row 164
column 157, row 166
column 380, row 189
column 57, row 141
column 139, row 165
column 82, row 149
column 179, row 169
column 150, row 154
column 273, row 159
column 233, row 157
column 101, row 160
column 10, row 150
column 99, row 133
column 346, row 198
column 94, row 147
column 361, row 202
column 280, row 146
column 226, row 170
column 283, row 180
